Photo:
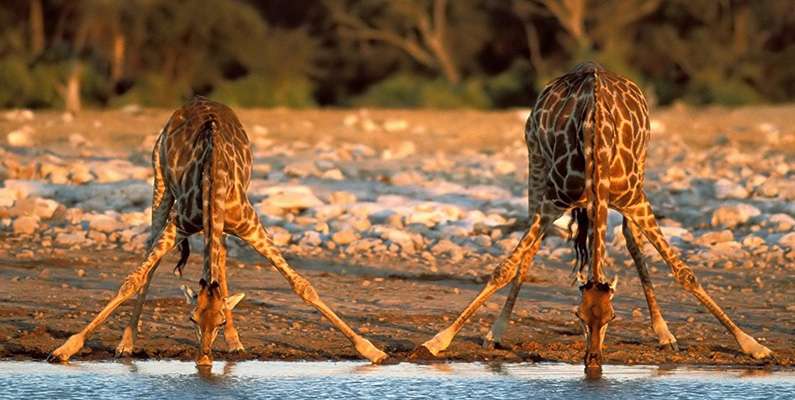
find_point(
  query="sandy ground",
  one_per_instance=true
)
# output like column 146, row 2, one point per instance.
column 398, row 301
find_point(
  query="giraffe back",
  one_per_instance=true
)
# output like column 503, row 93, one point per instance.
column 183, row 152
column 555, row 135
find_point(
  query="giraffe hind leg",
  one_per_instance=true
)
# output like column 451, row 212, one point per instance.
column 659, row 326
column 642, row 215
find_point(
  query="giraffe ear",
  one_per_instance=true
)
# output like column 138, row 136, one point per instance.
column 614, row 283
column 231, row 301
column 190, row 295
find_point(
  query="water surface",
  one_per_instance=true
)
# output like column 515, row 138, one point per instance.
column 344, row 380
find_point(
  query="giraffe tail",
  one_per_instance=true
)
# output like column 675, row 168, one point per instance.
column 597, row 135
column 214, row 188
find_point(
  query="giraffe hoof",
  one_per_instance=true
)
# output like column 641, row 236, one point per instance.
column 488, row 344
column 421, row 353
column 123, row 351
column 751, row 347
column 72, row 346
column 673, row 346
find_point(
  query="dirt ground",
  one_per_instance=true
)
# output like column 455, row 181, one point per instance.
column 46, row 297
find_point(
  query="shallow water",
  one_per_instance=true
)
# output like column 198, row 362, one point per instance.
column 314, row 380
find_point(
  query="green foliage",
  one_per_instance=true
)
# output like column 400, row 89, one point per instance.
column 25, row 86
column 407, row 91
column 389, row 53
column 258, row 90
column 513, row 86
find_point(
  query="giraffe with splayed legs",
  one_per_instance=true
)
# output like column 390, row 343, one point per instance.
column 202, row 161
column 586, row 139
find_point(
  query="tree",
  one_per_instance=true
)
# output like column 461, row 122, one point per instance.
column 420, row 31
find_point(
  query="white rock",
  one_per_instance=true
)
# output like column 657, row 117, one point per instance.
column 333, row 175
column 342, row 198
column 344, row 237
column 782, row 222
column 26, row 225
column 503, row 167
column 787, row 241
column 70, row 238
column 300, row 169
column 400, row 151
column 103, row 223
column 328, row 211
column 395, row 125
column 22, row 137
column 19, row 115
column 730, row 216
column 7, row 197
column 726, row 189
column 281, row 236
column 397, row 236
column 311, row 239
column 291, row 198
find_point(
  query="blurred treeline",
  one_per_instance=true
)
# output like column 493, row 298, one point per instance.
column 393, row 53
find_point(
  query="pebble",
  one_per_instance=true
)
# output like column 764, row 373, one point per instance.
column 730, row 216
column 26, row 225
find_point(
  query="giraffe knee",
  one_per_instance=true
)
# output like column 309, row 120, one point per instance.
column 131, row 285
column 504, row 273
column 303, row 288
column 687, row 279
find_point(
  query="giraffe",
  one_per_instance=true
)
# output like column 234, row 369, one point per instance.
column 202, row 163
column 586, row 140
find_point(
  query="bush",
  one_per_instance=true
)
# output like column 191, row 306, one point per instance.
column 407, row 91
column 259, row 91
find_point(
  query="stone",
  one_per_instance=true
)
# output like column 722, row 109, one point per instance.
column 344, row 237
column 395, row 125
column 7, row 197
column 399, row 237
column 711, row 238
column 22, row 137
column 280, row 236
column 342, row 198
column 103, row 223
column 781, row 222
column 42, row 208
column 310, row 239
column 447, row 248
column 300, row 169
column 729, row 216
column 25, row 225
column 787, row 241
column 726, row 189
column 502, row 167
column 70, row 238
column 291, row 198
column 328, row 211
column 401, row 150
column 333, row 175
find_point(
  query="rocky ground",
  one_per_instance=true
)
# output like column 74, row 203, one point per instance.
column 397, row 217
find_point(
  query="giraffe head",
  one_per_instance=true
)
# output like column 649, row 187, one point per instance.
column 595, row 312
column 208, row 316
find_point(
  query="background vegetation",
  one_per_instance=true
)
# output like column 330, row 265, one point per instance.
column 391, row 53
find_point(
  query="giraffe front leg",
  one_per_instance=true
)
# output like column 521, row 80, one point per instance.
column 494, row 337
column 162, row 202
column 254, row 233
column 633, row 237
column 643, row 216
column 233, row 344
column 131, row 285
column 501, row 276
